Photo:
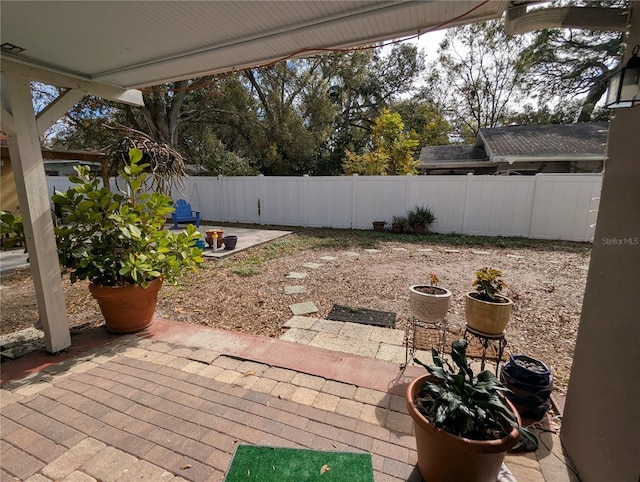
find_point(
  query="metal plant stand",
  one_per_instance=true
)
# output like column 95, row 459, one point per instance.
column 410, row 337
column 496, row 342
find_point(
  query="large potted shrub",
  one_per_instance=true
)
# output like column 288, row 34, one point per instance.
column 463, row 424
column 486, row 311
column 117, row 242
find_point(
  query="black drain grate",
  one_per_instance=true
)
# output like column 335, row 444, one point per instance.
column 365, row 316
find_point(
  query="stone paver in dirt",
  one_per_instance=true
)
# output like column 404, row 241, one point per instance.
column 452, row 251
column 372, row 250
column 313, row 265
column 304, row 308
column 351, row 254
column 328, row 258
column 426, row 250
column 480, row 253
column 296, row 275
column 294, row 290
column 398, row 249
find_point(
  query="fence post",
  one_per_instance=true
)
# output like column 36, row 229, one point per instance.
column 219, row 195
column 467, row 203
column 260, row 198
column 536, row 186
column 354, row 201
column 305, row 200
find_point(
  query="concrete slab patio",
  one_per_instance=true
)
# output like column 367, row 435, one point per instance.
column 173, row 402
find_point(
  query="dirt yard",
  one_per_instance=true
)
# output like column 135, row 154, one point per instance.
column 246, row 292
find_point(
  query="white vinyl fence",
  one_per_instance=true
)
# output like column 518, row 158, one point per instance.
column 546, row 206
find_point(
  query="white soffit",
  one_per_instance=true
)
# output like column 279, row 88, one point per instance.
column 134, row 44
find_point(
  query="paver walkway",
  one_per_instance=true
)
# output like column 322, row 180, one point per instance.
column 174, row 405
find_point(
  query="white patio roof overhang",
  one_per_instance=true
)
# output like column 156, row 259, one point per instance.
column 110, row 49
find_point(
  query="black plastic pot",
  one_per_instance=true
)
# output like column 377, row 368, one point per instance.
column 230, row 242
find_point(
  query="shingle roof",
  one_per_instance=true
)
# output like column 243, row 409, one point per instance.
column 531, row 141
column 466, row 152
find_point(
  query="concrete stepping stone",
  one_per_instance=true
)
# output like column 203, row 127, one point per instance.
column 514, row 256
column 351, row 254
column 328, row 258
column 398, row 249
column 295, row 290
column 452, row 251
column 584, row 267
column 371, row 250
column 426, row 250
column 295, row 275
column 480, row 253
column 303, row 308
column 313, row 265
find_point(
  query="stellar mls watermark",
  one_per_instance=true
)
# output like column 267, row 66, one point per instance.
column 621, row 241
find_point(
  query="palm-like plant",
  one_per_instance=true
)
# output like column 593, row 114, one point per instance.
column 464, row 404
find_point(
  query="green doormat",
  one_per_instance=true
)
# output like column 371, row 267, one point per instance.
column 274, row 464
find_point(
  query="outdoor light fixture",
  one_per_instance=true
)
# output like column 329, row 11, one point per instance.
column 624, row 85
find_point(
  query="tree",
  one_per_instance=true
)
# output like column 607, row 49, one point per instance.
column 480, row 75
column 392, row 152
column 425, row 119
column 569, row 63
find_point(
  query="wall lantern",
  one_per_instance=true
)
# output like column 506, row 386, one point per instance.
column 624, row 85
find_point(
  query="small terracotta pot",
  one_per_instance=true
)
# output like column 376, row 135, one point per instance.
column 444, row 457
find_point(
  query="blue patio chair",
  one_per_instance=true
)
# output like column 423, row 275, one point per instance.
column 184, row 214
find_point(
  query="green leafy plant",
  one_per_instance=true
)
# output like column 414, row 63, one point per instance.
column 488, row 283
column 117, row 239
column 420, row 215
column 464, row 404
column 11, row 227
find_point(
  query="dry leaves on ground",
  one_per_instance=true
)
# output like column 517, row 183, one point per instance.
column 546, row 283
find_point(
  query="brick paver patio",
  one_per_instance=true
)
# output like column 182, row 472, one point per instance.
column 174, row 406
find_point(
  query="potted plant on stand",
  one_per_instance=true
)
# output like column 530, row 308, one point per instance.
column 429, row 303
column 463, row 423
column 117, row 242
column 485, row 310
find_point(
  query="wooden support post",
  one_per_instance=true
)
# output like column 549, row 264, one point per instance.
column 31, row 186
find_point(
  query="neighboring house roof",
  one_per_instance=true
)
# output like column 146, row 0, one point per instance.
column 571, row 142
column 447, row 157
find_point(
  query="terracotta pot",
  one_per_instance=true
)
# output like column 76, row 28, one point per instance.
column 127, row 309
column 209, row 236
column 426, row 307
column 397, row 228
column 419, row 228
column 379, row 225
column 486, row 316
column 444, row 457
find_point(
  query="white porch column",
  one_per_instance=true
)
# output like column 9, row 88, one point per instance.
column 31, row 186
column 601, row 425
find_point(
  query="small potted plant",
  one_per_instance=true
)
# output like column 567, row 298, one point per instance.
column 420, row 218
column 463, row 423
column 117, row 242
column 398, row 224
column 429, row 303
column 379, row 225
column 486, row 311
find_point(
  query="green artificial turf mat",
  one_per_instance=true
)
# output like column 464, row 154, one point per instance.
column 275, row 464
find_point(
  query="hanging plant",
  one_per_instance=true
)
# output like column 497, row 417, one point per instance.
column 165, row 164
